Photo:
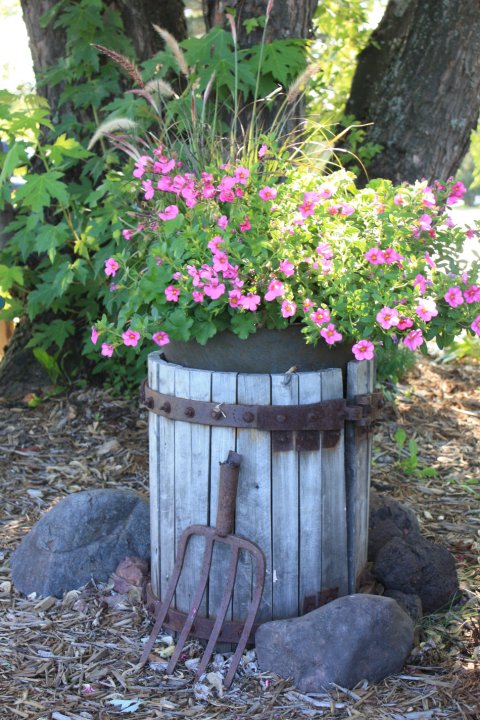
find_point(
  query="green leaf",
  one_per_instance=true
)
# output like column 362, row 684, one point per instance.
column 39, row 190
column 68, row 147
column 15, row 156
column 10, row 276
column 49, row 363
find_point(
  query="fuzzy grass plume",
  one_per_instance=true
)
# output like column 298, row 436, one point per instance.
column 175, row 49
column 128, row 65
column 110, row 126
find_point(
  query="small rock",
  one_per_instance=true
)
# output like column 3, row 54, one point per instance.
column 350, row 639
column 409, row 602
column 420, row 567
column 388, row 519
column 84, row 536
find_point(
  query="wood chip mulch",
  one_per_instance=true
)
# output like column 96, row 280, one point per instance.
column 76, row 658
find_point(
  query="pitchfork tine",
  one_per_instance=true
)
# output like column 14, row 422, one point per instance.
column 207, row 560
column 222, row 611
column 164, row 607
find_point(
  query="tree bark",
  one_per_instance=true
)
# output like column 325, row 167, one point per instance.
column 418, row 82
column 287, row 19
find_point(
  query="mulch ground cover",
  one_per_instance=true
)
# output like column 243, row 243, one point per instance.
column 77, row 657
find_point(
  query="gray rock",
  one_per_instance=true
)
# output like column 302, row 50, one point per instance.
column 352, row 638
column 388, row 519
column 409, row 602
column 418, row 566
column 84, row 536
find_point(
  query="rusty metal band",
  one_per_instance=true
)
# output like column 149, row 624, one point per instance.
column 322, row 416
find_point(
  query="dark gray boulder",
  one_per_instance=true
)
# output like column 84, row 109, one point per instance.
column 417, row 566
column 409, row 602
column 352, row 638
column 84, row 536
column 388, row 519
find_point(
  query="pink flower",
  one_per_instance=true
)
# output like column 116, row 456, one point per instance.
column 172, row 293
column 330, row 334
column 429, row 200
column 375, row 256
column 127, row 234
column 387, row 318
column 267, row 193
column 476, row 325
column 425, row 223
column 421, row 282
column 148, row 187
column 222, row 222
column 454, row 296
column 107, row 349
column 263, row 150
column 170, row 212
column 320, row 316
column 214, row 289
column 226, row 183
column 399, row 200
column 275, row 289
column 307, row 208
column 426, row 309
column 472, row 294
column 197, row 296
column 161, row 338
column 220, row 261
column 226, row 196
column 325, row 251
column 346, row 209
column 326, row 191
column 95, row 335
column 429, row 261
column 141, row 166
column 250, row 301
column 413, row 340
column 165, row 184
column 307, row 305
column 131, row 338
column 214, row 243
column 363, row 350
column 245, row 225
column 241, row 175
column 404, row 323
column 234, row 298
column 288, row 309
column 208, row 191
column 390, row 256
column 287, row 268
column 111, row 267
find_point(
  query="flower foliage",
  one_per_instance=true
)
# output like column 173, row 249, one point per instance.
column 265, row 242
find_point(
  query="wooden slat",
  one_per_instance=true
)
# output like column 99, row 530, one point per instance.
column 166, row 480
column 310, row 491
column 223, row 439
column 334, row 520
column 360, row 379
column 153, row 463
column 253, row 517
column 285, row 510
column 192, row 468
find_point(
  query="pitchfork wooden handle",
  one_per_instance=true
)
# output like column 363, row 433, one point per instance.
column 227, row 494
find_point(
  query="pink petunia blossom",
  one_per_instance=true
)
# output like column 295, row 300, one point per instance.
column 421, row 282
column 214, row 243
column 425, row 223
column 111, row 267
column 197, row 296
column 161, row 338
column 391, row 256
column 107, row 350
column 426, row 309
column 226, row 183
column 363, row 350
column 234, row 298
column 220, row 261
column 472, row 294
column 454, row 296
column 131, row 338
column 275, row 289
column 375, row 256
column 346, row 209
column 320, row 316
column 387, row 318
column 413, row 340
column 429, row 200
column 429, row 261
column 250, row 301
column 222, row 222
column 307, row 208
column 263, row 150
column 330, row 334
column 325, row 251
column 214, row 289
column 165, row 184
column 95, row 335
column 267, row 193
column 127, row 234
column 404, row 323
column 399, row 200
column 307, row 305
column 226, row 196
column 245, row 225
column 172, row 293
column 287, row 268
column 326, row 191
column 208, row 191
column 170, row 213
column 288, row 309
column 476, row 325
column 241, row 175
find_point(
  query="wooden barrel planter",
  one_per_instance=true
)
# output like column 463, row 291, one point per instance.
column 304, row 503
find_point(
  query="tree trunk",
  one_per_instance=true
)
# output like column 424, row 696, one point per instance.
column 47, row 44
column 418, row 82
column 287, row 19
